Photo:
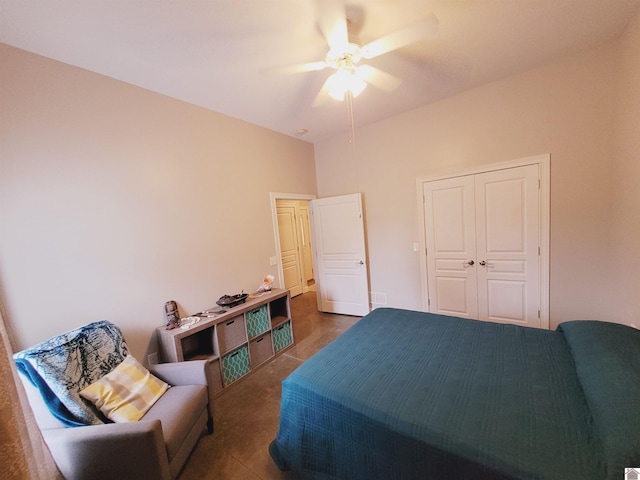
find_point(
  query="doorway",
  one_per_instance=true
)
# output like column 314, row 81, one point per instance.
column 294, row 255
column 337, row 252
column 295, row 246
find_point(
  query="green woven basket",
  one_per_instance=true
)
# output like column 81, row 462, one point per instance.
column 235, row 364
column 257, row 321
column 282, row 336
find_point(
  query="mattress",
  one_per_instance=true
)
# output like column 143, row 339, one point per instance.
column 411, row 395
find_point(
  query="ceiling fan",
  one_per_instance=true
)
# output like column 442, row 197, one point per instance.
column 351, row 77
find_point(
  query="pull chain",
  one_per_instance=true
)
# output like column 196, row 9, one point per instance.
column 352, row 140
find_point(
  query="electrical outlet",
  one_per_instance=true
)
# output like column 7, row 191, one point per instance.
column 153, row 358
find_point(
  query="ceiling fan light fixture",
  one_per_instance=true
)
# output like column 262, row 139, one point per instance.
column 343, row 81
column 337, row 86
column 344, row 56
column 356, row 85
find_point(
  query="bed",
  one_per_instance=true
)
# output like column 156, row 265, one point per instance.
column 412, row 395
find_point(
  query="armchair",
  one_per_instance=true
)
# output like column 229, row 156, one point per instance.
column 156, row 446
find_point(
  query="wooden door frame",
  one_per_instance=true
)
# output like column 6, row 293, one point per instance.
column 544, row 167
column 273, row 196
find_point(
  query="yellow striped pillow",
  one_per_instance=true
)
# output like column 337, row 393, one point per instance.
column 127, row 392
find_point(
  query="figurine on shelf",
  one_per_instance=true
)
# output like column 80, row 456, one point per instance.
column 266, row 283
column 173, row 317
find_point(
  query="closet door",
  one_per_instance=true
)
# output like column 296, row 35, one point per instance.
column 482, row 238
column 507, row 240
column 289, row 248
column 451, row 248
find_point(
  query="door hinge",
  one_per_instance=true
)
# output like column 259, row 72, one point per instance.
column 538, row 251
column 538, row 313
column 428, row 301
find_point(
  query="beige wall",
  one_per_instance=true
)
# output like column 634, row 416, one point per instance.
column 114, row 200
column 567, row 109
column 626, row 209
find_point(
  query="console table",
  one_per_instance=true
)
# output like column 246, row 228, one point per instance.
column 236, row 341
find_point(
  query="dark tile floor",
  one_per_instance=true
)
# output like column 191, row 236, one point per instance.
column 247, row 414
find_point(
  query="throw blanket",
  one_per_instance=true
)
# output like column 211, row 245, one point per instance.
column 63, row 365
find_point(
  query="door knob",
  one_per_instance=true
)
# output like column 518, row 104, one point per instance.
column 471, row 263
column 482, row 262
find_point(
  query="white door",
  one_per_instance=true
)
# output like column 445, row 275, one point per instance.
column 507, row 243
column 341, row 270
column 482, row 236
column 289, row 249
column 451, row 248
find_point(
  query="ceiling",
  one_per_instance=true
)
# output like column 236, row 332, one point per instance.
column 224, row 55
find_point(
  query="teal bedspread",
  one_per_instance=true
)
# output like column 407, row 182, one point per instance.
column 410, row 395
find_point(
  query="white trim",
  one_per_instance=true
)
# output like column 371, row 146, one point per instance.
column 545, row 237
column 424, row 277
column 544, row 172
column 273, row 196
column 489, row 167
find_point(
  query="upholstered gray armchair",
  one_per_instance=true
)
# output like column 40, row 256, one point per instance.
column 155, row 446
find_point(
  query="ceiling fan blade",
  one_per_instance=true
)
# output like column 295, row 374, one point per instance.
column 323, row 94
column 376, row 77
column 401, row 38
column 332, row 21
column 303, row 67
